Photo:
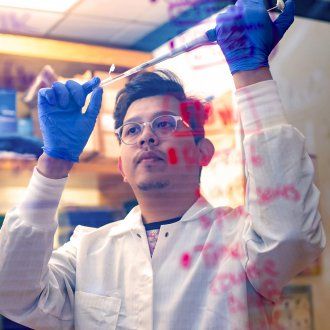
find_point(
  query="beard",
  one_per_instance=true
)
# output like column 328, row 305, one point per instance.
column 155, row 185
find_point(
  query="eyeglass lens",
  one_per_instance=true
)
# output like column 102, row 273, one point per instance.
column 161, row 126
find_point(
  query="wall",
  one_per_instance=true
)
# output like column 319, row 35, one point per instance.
column 302, row 71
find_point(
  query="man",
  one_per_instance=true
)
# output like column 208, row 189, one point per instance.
column 116, row 277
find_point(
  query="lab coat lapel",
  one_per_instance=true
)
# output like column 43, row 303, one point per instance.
column 134, row 223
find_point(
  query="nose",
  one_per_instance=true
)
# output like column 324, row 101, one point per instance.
column 147, row 137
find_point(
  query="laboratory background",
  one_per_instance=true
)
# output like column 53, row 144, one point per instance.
column 42, row 41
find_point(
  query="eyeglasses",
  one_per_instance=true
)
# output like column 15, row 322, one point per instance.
column 162, row 126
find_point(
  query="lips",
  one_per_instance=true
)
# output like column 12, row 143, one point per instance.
column 149, row 155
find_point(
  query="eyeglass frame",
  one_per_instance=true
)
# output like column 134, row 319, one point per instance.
column 177, row 118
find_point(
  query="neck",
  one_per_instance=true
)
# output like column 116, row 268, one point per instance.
column 161, row 205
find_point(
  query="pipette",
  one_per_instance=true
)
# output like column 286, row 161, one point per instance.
column 208, row 38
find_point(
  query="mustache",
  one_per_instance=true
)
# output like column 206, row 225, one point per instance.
column 150, row 153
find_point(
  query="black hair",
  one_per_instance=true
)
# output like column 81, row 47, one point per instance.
column 161, row 82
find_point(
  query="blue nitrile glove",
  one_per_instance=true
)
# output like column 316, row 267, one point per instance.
column 247, row 35
column 65, row 129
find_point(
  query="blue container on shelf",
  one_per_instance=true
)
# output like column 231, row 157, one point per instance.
column 25, row 126
column 8, row 121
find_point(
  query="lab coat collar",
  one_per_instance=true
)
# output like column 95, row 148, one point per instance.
column 134, row 219
column 199, row 208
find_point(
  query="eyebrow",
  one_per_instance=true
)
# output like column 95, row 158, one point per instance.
column 138, row 119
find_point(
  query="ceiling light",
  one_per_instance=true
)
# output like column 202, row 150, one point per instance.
column 58, row 6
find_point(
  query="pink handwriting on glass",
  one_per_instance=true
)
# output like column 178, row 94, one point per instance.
column 255, row 159
column 188, row 155
column 225, row 114
column 223, row 214
column 223, row 285
column 227, row 118
column 288, row 192
column 211, row 254
column 228, row 157
column 195, row 111
column 224, row 282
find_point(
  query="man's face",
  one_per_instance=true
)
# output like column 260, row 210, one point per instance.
column 155, row 163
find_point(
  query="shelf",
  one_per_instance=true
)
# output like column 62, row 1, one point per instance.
column 97, row 179
column 49, row 49
column 98, row 165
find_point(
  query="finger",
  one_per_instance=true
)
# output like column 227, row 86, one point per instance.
column 91, row 84
column 230, row 9
column 48, row 95
column 284, row 21
column 254, row 3
column 62, row 94
column 232, row 14
column 77, row 92
column 94, row 104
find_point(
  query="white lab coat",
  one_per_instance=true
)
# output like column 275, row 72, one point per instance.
column 213, row 269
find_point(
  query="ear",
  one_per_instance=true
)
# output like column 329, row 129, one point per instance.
column 206, row 151
column 120, row 167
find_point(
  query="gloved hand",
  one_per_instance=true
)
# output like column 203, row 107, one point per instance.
column 65, row 129
column 247, row 35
